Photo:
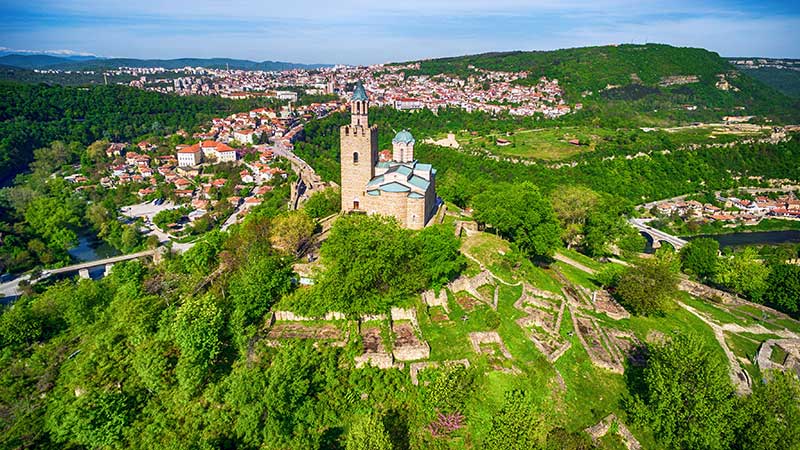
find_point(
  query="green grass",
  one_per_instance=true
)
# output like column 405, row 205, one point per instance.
column 592, row 392
column 576, row 276
column 497, row 255
column 583, row 259
column 789, row 324
column 778, row 355
column 546, row 143
column 714, row 312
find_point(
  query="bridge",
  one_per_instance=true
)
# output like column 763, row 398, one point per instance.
column 657, row 236
column 12, row 288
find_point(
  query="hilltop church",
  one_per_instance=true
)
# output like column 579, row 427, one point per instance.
column 402, row 187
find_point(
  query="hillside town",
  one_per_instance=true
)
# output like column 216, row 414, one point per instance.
column 732, row 210
column 225, row 172
column 391, row 85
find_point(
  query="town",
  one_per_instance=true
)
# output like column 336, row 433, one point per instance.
column 732, row 210
column 234, row 161
column 387, row 84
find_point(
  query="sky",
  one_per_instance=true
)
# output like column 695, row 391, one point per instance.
column 362, row 32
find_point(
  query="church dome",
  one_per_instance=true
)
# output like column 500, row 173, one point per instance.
column 360, row 94
column 404, row 137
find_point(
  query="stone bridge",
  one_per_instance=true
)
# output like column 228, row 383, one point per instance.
column 11, row 289
column 657, row 236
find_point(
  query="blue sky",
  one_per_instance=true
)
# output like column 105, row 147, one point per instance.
column 362, row 32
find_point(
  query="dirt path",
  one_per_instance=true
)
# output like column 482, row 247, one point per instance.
column 739, row 377
column 483, row 267
column 573, row 263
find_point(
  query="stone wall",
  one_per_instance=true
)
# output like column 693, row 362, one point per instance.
column 707, row 292
column 471, row 285
column 289, row 316
column 405, row 314
column 412, row 352
column 432, row 300
column 478, row 338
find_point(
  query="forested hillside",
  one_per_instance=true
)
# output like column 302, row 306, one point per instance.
column 784, row 80
column 662, row 169
column 59, row 63
column 599, row 75
column 33, row 116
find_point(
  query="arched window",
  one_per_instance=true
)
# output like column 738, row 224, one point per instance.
column 355, row 157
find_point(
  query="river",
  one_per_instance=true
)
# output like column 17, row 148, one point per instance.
column 744, row 238
column 754, row 238
column 90, row 248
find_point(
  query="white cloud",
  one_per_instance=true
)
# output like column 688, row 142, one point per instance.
column 46, row 52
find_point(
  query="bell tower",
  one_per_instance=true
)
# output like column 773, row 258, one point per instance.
column 359, row 152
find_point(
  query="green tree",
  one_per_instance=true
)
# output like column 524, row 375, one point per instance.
column 440, row 254
column 94, row 419
column 686, row 395
column 291, row 231
column 572, row 206
column 784, row 289
column 19, row 325
column 519, row 212
column 699, row 257
column 743, row 273
column 647, row 287
column 519, row 425
column 324, row 203
column 371, row 262
column 368, row 433
column 55, row 220
column 772, row 414
column 197, row 326
column 255, row 287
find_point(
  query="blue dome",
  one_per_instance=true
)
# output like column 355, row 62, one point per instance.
column 404, row 137
column 360, row 93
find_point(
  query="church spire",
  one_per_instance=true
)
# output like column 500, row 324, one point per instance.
column 359, row 107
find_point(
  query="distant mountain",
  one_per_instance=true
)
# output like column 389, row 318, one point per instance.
column 32, row 61
column 782, row 74
column 95, row 63
column 633, row 79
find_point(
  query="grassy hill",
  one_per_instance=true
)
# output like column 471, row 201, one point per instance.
column 627, row 79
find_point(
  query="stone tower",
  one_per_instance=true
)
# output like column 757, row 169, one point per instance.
column 359, row 151
column 403, row 147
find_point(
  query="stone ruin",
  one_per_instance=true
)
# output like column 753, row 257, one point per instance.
column 604, row 303
column 408, row 343
column 375, row 352
column 283, row 325
column 542, row 324
column 604, row 426
column 471, row 285
column 707, row 292
column 432, row 300
column 491, row 344
column 607, row 348
column 779, row 354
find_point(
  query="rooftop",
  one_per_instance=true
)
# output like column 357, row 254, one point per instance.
column 404, row 137
column 360, row 94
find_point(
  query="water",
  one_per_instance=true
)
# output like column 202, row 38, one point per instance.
column 748, row 238
column 754, row 238
column 90, row 248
